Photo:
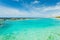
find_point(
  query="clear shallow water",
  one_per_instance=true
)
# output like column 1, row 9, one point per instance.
column 37, row 29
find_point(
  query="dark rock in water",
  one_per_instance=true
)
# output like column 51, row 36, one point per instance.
column 1, row 25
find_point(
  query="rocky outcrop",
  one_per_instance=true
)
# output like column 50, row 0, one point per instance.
column 57, row 16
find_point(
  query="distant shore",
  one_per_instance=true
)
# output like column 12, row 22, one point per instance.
column 3, row 19
column 22, row 18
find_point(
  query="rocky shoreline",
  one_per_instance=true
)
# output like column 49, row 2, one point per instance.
column 15, row 18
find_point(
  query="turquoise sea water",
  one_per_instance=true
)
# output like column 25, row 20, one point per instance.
column 34, row 29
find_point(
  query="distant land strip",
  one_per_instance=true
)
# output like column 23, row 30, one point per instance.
column 16, row 18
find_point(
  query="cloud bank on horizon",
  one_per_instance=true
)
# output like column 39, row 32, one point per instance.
column 29, row 8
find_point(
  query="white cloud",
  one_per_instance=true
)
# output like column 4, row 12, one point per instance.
column 36, row 2
column 52, row 8
column 16, row 0
column 51, row 11
column 10, row 12
column 58, row 3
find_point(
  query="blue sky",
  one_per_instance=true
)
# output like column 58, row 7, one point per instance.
column 29, row 8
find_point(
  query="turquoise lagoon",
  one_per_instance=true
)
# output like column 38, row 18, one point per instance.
column 33, row 29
